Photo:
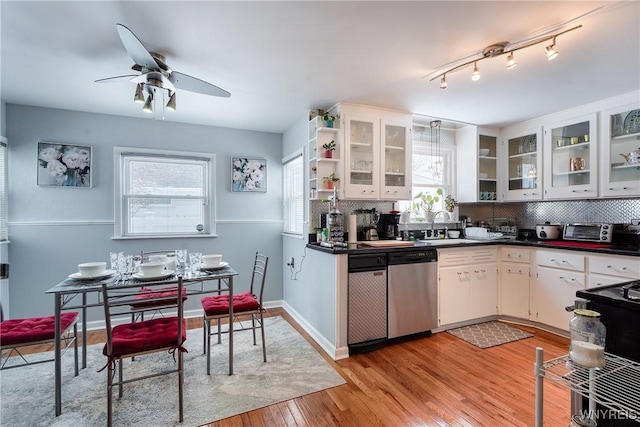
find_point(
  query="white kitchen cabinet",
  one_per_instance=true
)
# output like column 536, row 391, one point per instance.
column 571, row 159
column 559, row 274
column 522, row 164
column 319, row 164
column 611, row 269
column 477, row 169
column 514, row 281
column 467, row 284
column 377, row 153
column 621, row 135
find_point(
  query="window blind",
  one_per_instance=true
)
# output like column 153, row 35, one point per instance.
column 293, row 197
column 4, row 210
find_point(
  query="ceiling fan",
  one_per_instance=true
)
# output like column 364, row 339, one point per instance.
column 156, row 75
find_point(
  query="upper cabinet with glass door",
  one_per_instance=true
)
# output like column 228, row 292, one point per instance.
column 395, row 160
column 621, row 152
column 361, row 134
column 523, row 165
column 477, row 164
column 571, row 160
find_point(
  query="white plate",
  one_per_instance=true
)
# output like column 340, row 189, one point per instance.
column 164, row 275
column 223, row 264
column 105, row 273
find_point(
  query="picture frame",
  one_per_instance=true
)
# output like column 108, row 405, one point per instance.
column 248, row 174
column 64, row 165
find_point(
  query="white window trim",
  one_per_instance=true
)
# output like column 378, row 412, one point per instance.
column 118, row 187
column 297, row 153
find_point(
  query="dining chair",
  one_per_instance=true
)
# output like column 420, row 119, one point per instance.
column 248, row 303
column 18, row 333
column 162, row 334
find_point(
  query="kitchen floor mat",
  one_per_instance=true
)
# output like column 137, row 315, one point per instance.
column 489, row 334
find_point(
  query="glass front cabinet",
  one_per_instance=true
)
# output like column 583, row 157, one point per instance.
column 361, row 134
column 620, row 171
column 571, row 159
column 523, row 167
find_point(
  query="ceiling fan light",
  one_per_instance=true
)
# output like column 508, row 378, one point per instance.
column 139, row 97
column 171, row 105
column 511, row 62
column 443, row 82
column 148, row 105
column 475, row 76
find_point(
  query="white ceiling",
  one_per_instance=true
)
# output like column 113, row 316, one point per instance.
column 280, row 59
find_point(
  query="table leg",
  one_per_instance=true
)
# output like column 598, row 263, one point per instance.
column 57, row 362
column 231, row 325
column 84, row 330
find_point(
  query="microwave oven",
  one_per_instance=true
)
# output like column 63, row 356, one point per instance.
column 588, row 232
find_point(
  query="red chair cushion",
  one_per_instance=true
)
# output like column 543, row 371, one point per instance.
column 219, row 304
column 146, row 293
column 130, row 338
column 33, row 329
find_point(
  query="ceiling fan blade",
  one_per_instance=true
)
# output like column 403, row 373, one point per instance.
column 192, row 84
column 117, row 79
column 136, row 49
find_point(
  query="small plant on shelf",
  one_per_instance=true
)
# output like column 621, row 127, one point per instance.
column 329, row 147
column 330, row 181
column 328, row 119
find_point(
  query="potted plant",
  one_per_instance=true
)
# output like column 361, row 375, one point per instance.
column 423, row 204
column 328, row 149
column 330, row 180
column 450, row 203
column 328, row 120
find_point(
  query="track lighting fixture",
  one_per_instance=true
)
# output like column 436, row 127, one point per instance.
column 498, row 49
column 511, row 62
column 551, row 50
column 443, row 82
column 475, row 76
column 171, row 105
column 139, row 97
column 148, row 106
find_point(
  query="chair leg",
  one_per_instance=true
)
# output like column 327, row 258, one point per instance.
column 75, row 347
column 120, row 377
column 264, row 344
column 204, row 336
column 180, row 383
column 218, row 321
column 208, row 346
column 253, row 327
column 110, row 374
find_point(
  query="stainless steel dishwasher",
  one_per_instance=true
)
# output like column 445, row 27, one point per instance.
column 367, row 316
column 412, row 292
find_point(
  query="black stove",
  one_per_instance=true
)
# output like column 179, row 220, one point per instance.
column 624, row 295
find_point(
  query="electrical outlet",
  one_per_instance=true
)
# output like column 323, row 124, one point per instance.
column 292, row 263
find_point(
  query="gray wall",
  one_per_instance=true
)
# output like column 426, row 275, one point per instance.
column 52, row 229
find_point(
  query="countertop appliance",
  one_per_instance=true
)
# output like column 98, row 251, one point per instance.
column 367, row 302
column 548, row 231
column 412, row 292
column 588, row 232
column 388, row 226
column 619, row 307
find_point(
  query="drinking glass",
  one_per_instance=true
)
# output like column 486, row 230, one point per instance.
column 113, row 261
column 181, row 258
column 195, row 259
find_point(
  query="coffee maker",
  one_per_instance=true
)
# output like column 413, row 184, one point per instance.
column 388, row 226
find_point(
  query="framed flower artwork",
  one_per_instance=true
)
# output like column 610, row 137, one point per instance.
column 64, row 165
column 248, row 175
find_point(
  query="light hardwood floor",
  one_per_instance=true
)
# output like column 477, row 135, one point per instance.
column 433, row 381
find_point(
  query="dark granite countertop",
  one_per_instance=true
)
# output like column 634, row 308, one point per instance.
column 577, row 246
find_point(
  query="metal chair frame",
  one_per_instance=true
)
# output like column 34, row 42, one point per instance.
column 116, row 299
column 258, row 277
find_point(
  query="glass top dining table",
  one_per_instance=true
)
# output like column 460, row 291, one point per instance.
column 195, row 283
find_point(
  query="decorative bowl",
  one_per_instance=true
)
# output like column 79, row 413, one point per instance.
column 151, row 268
column 484, row 151
column 211, row 261
column 91, row 269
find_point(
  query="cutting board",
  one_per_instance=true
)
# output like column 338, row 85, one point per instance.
column 385, row 243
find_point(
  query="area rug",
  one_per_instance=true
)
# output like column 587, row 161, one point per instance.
column 294, row 368
column 489, row 334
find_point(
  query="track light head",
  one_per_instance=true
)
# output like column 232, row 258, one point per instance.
column 551, row 52
column 443, row 82
column 475, row 76
column 171, row 105
column 139, row 97
column 511, row 62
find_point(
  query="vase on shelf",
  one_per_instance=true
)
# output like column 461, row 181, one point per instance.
column 328, row 123
column 328, row 154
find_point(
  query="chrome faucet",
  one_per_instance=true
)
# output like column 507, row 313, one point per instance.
column 434, row 218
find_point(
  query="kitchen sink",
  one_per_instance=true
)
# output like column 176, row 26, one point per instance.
column 442, row 242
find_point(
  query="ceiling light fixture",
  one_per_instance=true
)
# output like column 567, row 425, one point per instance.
column 171, row 105
column 475, row 76
column 551, row 50
column 498, row 49
column 139, row 97
column 148, row 106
